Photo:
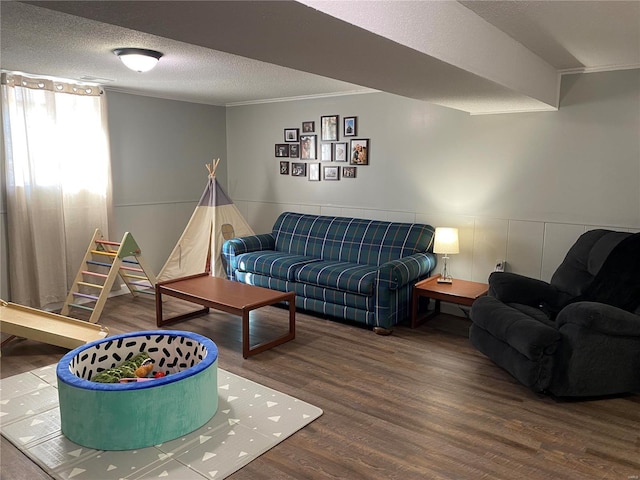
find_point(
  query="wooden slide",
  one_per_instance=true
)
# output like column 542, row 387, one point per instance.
column 20, row 321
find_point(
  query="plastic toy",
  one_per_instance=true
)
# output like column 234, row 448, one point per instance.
column 126, row 370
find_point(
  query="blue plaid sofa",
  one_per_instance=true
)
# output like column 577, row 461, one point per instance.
column 354, row 269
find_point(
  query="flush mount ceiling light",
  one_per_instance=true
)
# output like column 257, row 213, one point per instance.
column 138, row 59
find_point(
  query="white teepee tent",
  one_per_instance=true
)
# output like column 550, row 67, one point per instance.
column 214, row 220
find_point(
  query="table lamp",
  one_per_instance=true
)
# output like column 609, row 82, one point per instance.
column 446, row 242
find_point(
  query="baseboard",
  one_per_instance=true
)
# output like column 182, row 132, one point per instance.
column 56, row 307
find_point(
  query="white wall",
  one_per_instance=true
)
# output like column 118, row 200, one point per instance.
column 520, row 187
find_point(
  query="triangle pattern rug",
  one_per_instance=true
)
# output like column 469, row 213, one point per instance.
column 251, row 419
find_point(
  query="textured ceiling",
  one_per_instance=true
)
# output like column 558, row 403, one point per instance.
column 479, row 57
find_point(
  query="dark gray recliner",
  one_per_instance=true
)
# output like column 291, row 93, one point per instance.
column 579, row 334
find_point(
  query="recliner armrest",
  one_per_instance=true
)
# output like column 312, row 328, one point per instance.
column 601, row 318
column 514, row 288
column 532, row 338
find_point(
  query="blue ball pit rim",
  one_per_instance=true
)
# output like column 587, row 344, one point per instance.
column 64, row 374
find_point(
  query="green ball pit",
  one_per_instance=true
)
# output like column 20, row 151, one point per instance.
column 126, row 416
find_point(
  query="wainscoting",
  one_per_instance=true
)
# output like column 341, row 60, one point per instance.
column 532, row 248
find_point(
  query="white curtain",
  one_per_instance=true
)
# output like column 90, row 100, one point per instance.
column 58, row 183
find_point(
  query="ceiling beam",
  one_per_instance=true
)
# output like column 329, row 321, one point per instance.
column 439, row 52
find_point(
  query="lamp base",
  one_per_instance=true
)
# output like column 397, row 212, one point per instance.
column 444, row 280
column 445, row 276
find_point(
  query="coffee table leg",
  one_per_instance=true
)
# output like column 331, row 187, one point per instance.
column 158, row 306
column 292, row 317
column 245, row 333
column 290, row 335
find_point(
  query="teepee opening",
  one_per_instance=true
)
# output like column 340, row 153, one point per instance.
column 227, row 231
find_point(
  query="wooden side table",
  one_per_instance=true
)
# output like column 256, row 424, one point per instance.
column 461, row 292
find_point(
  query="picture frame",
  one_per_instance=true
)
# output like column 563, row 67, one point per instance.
column 308, row 127
column 350, row 127
column 331, row 173
column 329, row 128
column 294, row 150
column 349, row 172
column 326, row 152
column 359, row 152
column 282, row 149
column 340, row 151
column 308, row 147
column 298, row 169
column 314, row 172
column 284, row 167
column 291, row 134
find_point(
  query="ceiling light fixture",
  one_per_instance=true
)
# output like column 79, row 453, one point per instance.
column 138, row 59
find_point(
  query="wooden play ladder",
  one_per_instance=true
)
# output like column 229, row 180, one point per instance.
column 103, row 262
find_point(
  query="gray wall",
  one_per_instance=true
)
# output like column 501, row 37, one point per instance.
column 521, row 187
column 159, row 149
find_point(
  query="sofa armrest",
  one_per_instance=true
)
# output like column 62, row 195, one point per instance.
column 600, row 318
column 237, row 246
column 400, row 272
column 513, row 288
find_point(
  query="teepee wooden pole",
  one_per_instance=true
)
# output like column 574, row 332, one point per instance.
column 212, row 167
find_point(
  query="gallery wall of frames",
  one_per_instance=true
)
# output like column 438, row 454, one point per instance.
column 329, row 150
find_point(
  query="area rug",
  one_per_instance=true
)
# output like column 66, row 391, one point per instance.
column 251, row 419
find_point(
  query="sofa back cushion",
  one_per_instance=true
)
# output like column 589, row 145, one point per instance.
column 345, row 239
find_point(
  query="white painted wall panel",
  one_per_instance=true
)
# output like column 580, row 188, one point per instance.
column 460, row 265
column 558, row 238
column 489, row 244
column 389, row 216
column 524, row 248
column 352, row 212
column 331, row 210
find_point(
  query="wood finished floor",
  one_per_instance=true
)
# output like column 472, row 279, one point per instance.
column 419, row 404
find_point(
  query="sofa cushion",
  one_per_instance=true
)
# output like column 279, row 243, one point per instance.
column 274, row 264
column 349, row 240
column 306, row 291
column 350, row 277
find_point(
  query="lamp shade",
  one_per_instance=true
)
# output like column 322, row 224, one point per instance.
column 138, row 59
column 446, row 240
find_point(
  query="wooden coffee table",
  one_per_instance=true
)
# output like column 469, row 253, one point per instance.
column 461, row 292
column 231, row 297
